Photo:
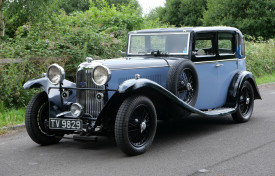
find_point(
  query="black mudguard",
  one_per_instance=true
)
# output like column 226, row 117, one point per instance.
column 57, row 104
column 42, row 83
column 236, row 84
column 153, row 91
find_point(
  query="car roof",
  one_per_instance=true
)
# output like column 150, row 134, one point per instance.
column 188, row 29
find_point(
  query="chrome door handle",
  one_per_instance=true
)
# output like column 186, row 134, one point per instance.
column 218, row 65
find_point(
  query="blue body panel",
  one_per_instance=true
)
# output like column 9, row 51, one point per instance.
column 214, row 83
column 225, row 74
column 157, row 75
column 208, row 79
column 241, row 64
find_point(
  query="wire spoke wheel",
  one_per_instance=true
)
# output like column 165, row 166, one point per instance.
column 37, row 112
column 135, row 125
column 245, row 101
column 139, row 126
column 185, row 86
column 42, row 117
column 245, row 104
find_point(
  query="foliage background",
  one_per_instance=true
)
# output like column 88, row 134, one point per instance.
column 42, row 32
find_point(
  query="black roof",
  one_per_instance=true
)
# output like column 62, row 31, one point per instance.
column 188, row 29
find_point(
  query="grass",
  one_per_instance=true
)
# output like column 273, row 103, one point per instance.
column 268, row 78
column 12, row 117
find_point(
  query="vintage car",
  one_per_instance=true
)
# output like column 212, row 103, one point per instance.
column 165, row 74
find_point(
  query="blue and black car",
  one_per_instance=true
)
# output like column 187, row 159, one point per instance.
column 164, row 74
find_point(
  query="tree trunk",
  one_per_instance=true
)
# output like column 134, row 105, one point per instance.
column 3, row 28
column 2, row 19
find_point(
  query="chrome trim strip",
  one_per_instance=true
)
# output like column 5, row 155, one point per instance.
column 243, row 58
column 139, row 67
column 214, row 61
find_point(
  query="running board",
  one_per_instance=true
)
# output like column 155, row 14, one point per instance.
column 217, row 112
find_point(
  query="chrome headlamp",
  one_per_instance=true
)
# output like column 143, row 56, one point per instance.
column 55, row 74
column 76, row 109
column 101, row 75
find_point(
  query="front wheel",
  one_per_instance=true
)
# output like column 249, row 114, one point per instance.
column 245, row 104
column 37, row 113
column 135, row 125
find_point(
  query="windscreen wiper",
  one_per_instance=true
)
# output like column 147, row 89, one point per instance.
column 158, row 53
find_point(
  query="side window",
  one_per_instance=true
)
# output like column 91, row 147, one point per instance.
column 226, row 43
column 204, row 45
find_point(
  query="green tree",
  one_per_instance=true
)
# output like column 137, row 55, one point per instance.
column 70, row 6
column 183, row 12
column 156, row 13
column 252, row 17
column 19, row 12
column 124, row 2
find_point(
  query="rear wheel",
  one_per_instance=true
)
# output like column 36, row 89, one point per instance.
column 37, row 112
column 135, row 125
column 245, row 104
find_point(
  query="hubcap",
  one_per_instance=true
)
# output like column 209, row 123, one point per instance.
column 142, row 126
column 139, row 126
column 189, row 86
column 185, row 86
column 247, row 101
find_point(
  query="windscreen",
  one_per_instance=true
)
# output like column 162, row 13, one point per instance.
column 167, row 43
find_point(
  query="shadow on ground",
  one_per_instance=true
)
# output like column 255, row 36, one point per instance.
column 167, row 132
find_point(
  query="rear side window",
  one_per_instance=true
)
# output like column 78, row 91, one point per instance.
column 204, row 44
column 226, row 43
column 200, row 44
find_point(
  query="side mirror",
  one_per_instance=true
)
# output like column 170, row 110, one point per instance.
column 121, row 53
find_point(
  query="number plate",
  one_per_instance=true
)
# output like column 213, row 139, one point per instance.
column 65, row 124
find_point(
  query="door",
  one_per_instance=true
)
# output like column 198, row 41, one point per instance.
column 227, row 64
column 204, row 55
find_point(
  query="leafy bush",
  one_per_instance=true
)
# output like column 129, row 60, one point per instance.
column 12, row 79
column 13, row 76
column 65, row 39
column 260, row 57
column 95, row 32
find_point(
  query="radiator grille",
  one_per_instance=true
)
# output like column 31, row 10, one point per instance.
column 87, row 98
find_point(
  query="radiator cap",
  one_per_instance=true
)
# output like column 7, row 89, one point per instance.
column 89, row 59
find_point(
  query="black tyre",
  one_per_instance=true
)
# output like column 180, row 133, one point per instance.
column 245, row 104
column 182, row 80
column 37, row 112
column 135, row 125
